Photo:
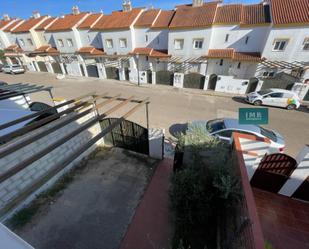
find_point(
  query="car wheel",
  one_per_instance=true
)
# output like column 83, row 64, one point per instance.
column 291, row 107
column 12, row 73
column 257, row 102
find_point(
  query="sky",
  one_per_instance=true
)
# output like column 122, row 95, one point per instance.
column 24, row 8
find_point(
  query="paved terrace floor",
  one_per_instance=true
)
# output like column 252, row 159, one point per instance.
column 94, row 211
column 285, row 221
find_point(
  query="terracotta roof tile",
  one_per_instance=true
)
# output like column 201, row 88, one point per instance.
column 253, row 14
column 164, row 19
column 117, row 20
column 28, row 24
column 91, row 51
column 228, row 14
column 67, row 22
column 13, row 25
column 230, row 53
column 13, row 48
column 47, row 49
column 45, row 24
column 89, row 21
column 3, row 23
column 290, row 11
column 220, row 53
column 194, row 17
column 150, row 52
column 147, row 18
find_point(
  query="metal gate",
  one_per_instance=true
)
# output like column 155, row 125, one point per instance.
column 56, row 67
column 253, row 82
column 127, row 135
column 194, row 80
column 306, row 98
column 281, row 80
column 92, row 71
column 42, row 66
column 212, row 82
column 165, row 78
column 274, row 170
column 149, row 76
column 112, row 73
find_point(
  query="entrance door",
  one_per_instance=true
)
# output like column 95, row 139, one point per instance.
column 56, row 68
column 253, row 82
column 306, row 98
column 212, row 82
column 42, row 66
column 92, row 71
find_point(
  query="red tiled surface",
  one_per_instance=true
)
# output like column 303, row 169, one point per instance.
column 228, row 13
column 67, row 22
column 147, row 18
column 3, row 23
column 28, row 24
column 230, row 53
column 45, row 24
column 285, row 221
column 253, row 14
column 194, row 17
column 117, row 20
column 89, row 21
column 90, row 50
column 151, row 227
column 13, row 25
column 164, row 19
column 290, row 11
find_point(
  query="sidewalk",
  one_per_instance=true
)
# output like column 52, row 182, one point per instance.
column 151, row 225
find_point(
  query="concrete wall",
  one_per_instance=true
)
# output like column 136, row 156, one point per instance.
column 64, row 35
column 157, row 38
column 90, row 38
column 115, row 36
column 15, row 185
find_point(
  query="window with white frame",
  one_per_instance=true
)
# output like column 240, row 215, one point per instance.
column 109, row 43
column 280, row 44
column 30, row 42
column 22, row 43
column 70, row 42
column 146, row 38
column 306, row 44
column 178, row 44
column 198, row 43
column 60, row 43
column 123, row 43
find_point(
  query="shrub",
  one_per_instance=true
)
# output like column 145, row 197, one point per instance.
column 203, row 191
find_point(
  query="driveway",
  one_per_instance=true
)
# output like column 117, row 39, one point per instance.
column 95, row 209
column 170, row 106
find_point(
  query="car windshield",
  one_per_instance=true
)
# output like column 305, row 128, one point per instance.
column 269, row 134
column 263, row 92
column 215, row 125
column 16, row 66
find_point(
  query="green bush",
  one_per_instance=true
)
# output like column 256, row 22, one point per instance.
column 203, row 191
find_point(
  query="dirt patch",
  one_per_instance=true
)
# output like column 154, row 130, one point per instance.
column 95, row 208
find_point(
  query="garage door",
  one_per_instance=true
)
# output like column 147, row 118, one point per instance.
column 194, row 80
column 112, row 73
column 42, row 66
column 165, row 78
column 56, row 67
column 92, row 71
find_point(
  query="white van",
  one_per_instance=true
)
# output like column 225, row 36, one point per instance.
column 275, row 97
column 13, row 69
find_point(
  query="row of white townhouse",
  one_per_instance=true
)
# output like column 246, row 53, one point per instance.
column 207, row 45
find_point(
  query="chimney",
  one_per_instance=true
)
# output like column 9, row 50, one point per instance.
column 197, row 3
column 6, row 17
column 126, row 5
column 75, row 10
column 36, row 14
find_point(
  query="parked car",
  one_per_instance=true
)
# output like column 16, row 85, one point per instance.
column 13, row 69
column 224, row 128
column 1, row 66
column 3, row 83
column 275, row 97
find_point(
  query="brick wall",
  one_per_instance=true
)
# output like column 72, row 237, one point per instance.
column 18, row 183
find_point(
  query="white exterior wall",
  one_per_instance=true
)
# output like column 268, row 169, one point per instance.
column 25, row 36
column 157, row 38
column 94, row 36
column 64, row 35
column 237, row 38
column 4, row 39
column 116, row 35
column 294, row 49
column 188, row 36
